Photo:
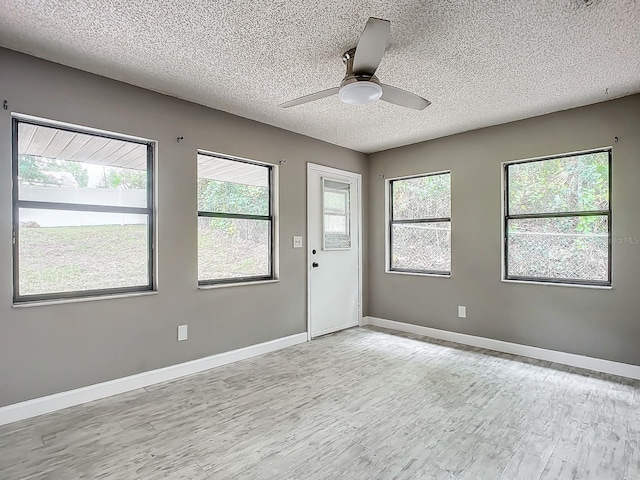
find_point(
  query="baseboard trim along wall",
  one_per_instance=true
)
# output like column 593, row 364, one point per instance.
column 571, row 359
column 58, row 401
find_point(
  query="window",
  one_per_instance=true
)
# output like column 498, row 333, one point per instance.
column 336, row 221
column 235, row 220
column 557, row 220
column 82, row 212
column 420, row 224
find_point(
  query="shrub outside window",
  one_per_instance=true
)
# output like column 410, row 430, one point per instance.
column 235, row 220
column 82, row 212
column 420, row 224
column 557, row 219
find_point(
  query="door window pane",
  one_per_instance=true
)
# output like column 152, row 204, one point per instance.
column 336, row 214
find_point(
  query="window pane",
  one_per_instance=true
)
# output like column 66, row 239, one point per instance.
column 233, row 248
column 336, row 197
column 571, row 248
column 68, row 167
column 421, row 246
column 229, row 186
column 422, row 197
column 336, row 224
column 569, row 184
column 64, row 251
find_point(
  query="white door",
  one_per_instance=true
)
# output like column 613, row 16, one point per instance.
column 333, row 232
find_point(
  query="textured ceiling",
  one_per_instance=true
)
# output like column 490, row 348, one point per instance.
column 481, row 63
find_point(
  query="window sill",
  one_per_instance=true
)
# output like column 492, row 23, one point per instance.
column 555, row 284
column 237, row 284
column 417, row 274
column 62, row 301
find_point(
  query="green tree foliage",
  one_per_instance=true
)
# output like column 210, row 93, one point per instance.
column 422, row 197
column 564, row 184
column 30, row 169
column 570, row 184
column 76, row 169
column 126, row 178
column 35, row 170
column 227, row 197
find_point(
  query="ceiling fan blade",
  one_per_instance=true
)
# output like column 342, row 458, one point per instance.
column 371, row 46
column 311, row 97
column 403, row 98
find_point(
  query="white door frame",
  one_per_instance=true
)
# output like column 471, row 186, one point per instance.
column 358, row 178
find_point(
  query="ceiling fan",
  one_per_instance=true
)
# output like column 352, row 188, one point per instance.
column 360, row 85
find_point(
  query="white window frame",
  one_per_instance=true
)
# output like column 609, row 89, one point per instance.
column 505, row 277
column 273, row 216
column 149, row 210
column 389, row 221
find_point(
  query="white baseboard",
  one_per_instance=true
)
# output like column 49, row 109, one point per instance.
column 58, row 401
column 581, row 361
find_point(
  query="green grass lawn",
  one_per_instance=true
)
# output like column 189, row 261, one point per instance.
column 224, row 255
column 66, row 259
column 63, row 259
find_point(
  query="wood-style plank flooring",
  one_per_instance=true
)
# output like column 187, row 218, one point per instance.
column 360, row 404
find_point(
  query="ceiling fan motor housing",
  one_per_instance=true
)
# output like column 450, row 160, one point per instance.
column 358, row 88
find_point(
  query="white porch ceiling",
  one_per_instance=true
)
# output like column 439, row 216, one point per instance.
column 480, row 63
column 214, row 168
column 58, row 144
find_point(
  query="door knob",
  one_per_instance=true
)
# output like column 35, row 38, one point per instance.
column 314, row 264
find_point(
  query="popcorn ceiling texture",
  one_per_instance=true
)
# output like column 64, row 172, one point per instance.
column 481, row 63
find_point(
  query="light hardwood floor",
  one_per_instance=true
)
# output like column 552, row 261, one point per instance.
column 360, row 404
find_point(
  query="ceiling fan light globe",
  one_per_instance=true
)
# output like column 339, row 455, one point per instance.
column 360, row 93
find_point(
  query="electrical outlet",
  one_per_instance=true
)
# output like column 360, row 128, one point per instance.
column 462, row 312
column 182, row 332
column 297, row 241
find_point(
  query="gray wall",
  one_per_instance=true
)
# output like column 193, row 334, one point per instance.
column 598, row 323
column 48, row 349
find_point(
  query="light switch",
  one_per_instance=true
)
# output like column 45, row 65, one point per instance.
column 462, row 312
column 182, row 332
column 297, row 241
